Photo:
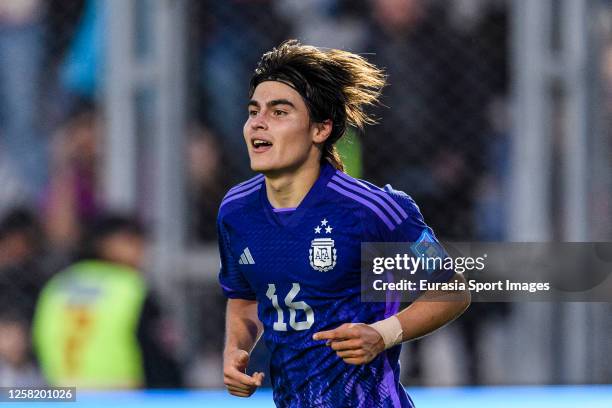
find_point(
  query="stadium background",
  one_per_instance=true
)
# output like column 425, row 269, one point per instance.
column 497, row 121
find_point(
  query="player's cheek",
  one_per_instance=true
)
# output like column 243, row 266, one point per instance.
column 245, row 134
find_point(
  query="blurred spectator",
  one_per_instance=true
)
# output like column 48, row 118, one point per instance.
column 71, row 200
column 12, row 192
column 21, row 53
column 21, row 278
column 233, row 35
column 207, row 181
column 97, row 325
column 62, row 20
column 17, row 368
column 431, row 132
column 80, row 71
column 21, row 273
column 350, row 149
column 326, row 23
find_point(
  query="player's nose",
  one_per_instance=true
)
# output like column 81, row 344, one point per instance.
column 259, row 122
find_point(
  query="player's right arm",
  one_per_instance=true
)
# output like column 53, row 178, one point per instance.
column 242, row 326
column 243, row 329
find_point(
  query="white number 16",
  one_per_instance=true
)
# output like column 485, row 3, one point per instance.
column 280, row 324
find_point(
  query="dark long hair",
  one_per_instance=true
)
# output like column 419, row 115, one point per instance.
column 335, row 85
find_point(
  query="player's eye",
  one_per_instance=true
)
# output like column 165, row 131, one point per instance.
column 278, row 112
column 252, row 112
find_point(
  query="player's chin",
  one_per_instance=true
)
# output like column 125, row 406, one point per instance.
column 261, row 165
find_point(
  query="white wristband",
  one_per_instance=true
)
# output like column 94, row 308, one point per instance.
column 390, row 330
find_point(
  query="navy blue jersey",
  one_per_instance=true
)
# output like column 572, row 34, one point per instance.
column 302, row 266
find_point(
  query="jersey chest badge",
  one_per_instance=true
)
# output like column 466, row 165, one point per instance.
column 322, row 253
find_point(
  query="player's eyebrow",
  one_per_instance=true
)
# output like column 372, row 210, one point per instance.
column 277, row 102
column 272, row 103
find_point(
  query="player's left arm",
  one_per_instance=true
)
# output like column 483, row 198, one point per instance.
column 431, row 311
column 359, row 343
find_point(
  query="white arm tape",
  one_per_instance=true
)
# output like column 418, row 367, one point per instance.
column 390, row 330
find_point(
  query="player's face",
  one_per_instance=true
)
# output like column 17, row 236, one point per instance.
column 278, row 132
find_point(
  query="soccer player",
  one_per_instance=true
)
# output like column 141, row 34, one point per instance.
column 290, row 241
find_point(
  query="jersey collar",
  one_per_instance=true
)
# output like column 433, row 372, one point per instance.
column 315, row 194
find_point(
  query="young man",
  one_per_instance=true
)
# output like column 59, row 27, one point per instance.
column 290, row 242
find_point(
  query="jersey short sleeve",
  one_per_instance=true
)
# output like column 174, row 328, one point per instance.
column 422, row 239
column 233, row 282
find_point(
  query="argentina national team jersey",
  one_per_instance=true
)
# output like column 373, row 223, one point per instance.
column 304, row 271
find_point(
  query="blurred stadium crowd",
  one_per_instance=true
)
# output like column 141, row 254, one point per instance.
column 443, row 137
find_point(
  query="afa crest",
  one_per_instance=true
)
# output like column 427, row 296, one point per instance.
column 322, row 254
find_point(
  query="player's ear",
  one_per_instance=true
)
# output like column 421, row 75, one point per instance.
column 321, row 131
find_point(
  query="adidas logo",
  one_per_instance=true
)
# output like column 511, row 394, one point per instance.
column 246, row 258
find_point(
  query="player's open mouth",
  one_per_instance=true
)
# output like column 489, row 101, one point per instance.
column 260, row 145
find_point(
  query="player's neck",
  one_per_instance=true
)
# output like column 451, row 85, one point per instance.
column 287, row 190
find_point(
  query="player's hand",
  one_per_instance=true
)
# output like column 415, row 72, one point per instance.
column 355, row 343
column 236, row 380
